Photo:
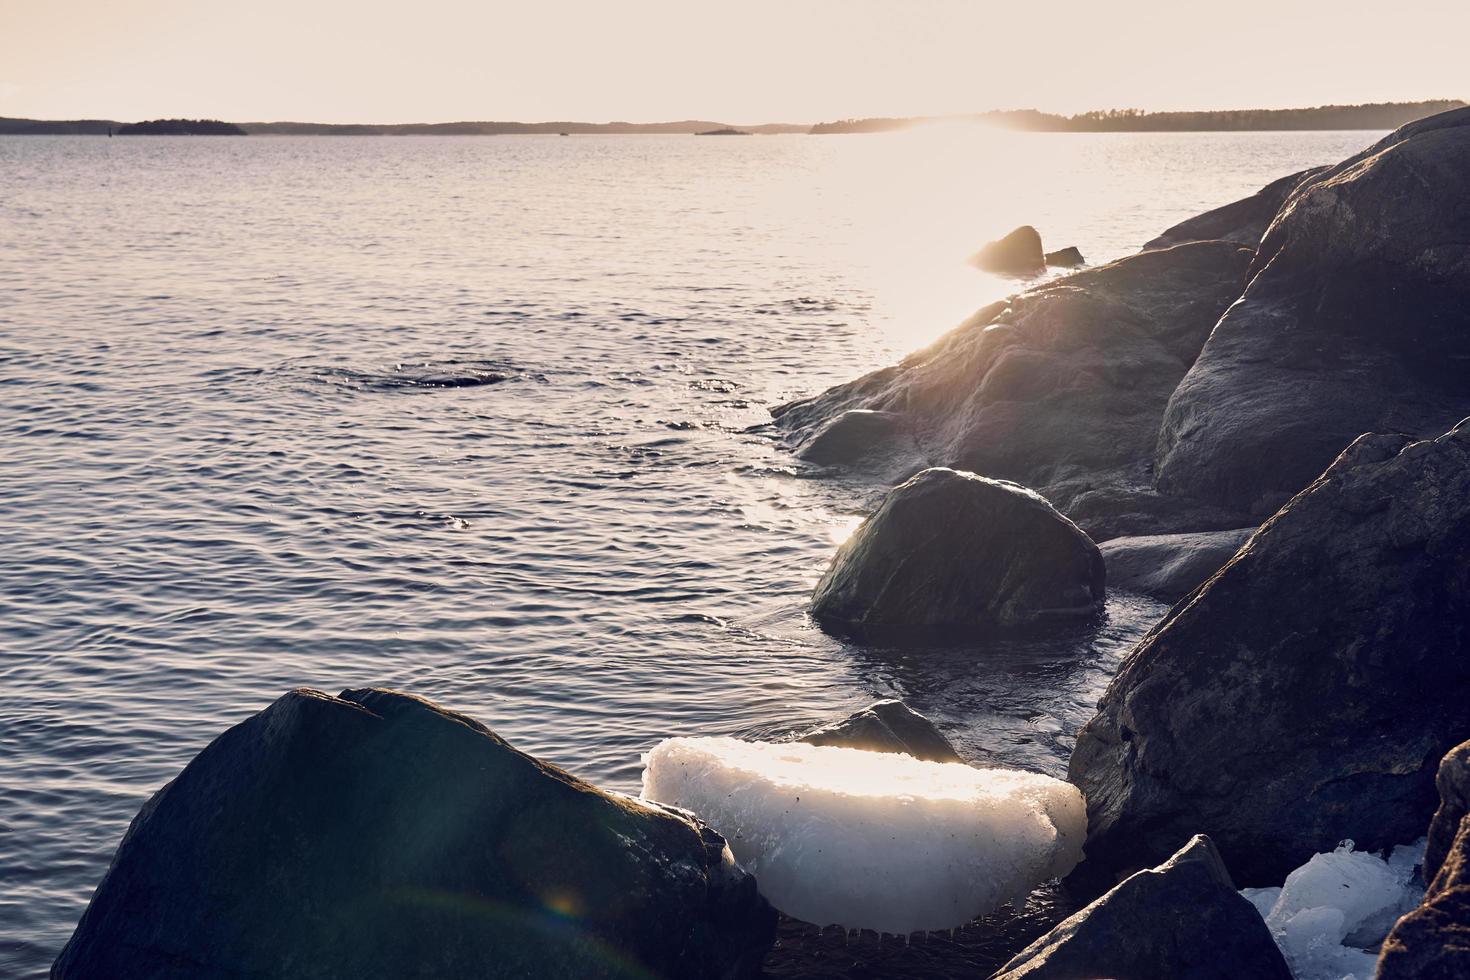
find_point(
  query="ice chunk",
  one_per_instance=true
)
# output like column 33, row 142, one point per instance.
column 1262, row 898
column 1336, row 908
column 870, row 840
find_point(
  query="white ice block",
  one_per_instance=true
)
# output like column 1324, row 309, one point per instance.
column 870, row 840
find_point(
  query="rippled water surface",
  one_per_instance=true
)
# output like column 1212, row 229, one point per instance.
column 481, row 418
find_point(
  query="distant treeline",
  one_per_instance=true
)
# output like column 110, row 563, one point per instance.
column 503, row 128
column 180, row 127
column 1378, row 115
column 100, row 127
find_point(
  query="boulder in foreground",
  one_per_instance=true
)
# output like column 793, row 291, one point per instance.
column 887, row 726
column 375, row 835
column 1170, row 566
column 1306, row 693
column 1017, row 254
column 952, row 551
column 1183, row 919
column 1433, row 941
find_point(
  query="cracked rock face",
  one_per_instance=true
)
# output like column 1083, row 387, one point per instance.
column 1308, row 691
column 376, row 835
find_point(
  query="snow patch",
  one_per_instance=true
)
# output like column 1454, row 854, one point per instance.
column 873, row 840
column 1333, row 912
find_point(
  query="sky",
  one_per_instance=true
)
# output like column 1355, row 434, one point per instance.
column 742, row 61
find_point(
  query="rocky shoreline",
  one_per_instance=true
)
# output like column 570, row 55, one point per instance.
column 1257, row 417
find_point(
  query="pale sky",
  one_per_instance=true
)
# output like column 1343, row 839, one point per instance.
column 744, row 61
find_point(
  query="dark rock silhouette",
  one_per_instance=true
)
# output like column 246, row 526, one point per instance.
column 1433, row 941
column 1065, row 258
column 1181, row 919
column 1243, row 221
column 727, row 131
column 1170, row 566
column 1357, row 319
column 1306, row 693
column 1017, row 254
column 951, row 551
column 376, row 835
column 1061, row 388
column 887, row 726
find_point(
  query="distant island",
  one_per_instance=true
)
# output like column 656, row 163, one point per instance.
column 1377, row 115
column 180, row 127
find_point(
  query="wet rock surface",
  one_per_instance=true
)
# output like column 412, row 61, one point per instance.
column 1065, row 258
column 1181, row 919
column 1170, row 566
column 1061, row 389
column 953, row 552
column 1306, row 694
column 887, row 726
column 377, row 835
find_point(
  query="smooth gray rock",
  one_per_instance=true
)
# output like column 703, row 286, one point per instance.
column 1061, row 388
column 1243, row 221
column 1017, row 254
column 1307, row 692
column 1065, row 258
column 1170, row 566
column 861, row 438
column 1183, row 920
column 952, row 551
column 887, row 726
column 1356, row 319
column 376, row 835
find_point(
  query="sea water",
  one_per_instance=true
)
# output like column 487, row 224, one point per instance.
column 481, row 418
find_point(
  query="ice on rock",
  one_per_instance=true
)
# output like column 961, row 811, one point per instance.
column 870, row 840
column 1333, row 911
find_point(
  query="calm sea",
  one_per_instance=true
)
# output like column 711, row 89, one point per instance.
column 481, row 418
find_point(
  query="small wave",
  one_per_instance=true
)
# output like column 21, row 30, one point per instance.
column 417, row 374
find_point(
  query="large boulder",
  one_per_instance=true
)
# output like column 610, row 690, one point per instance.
column 1243, row 221
column 1356, row 319
column 952, row 551
column 1306, row 693
column 1170, row 566
column 887, row 726
column 1183, row 920
column 1433, row 941
column 1061, row 388
column 375, row 835
column 1017, row 254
